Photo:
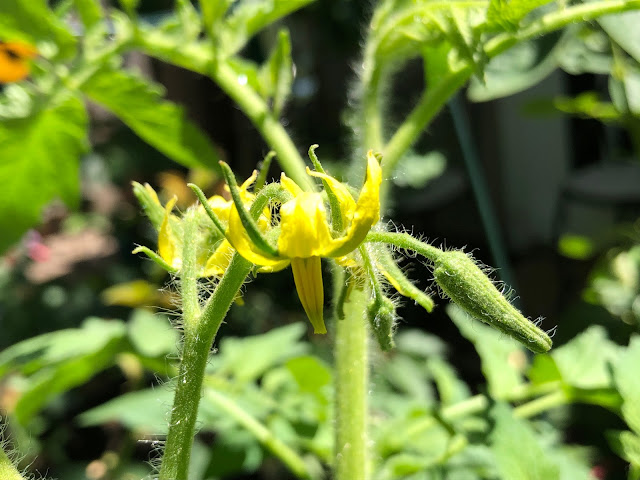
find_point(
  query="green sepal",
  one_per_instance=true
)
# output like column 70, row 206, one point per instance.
column 247, row 222
column 334, row 203
column 155, row 257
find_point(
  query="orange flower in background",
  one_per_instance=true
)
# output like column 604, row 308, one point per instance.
column 14, row 61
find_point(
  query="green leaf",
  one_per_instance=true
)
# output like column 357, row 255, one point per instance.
column 151, row 334
column 627, row 380
column 507, row 14
column 71, row 358
column 416, row 171
column 518, row 451
column 515, row 70
column 40, row 158
column 189, row 19
column 623, row 29
column 246, row 359
column 161, row 123
column 503, row 359
column 584, row 361
column 624, row 87
column 212, row 12
column 627, row 445
column 450, row 388
column 252, row 16
column 129, row 6
column 276, row 74
column 311, row 376
column 90, row 12
column 142, row 411
column 33, row 22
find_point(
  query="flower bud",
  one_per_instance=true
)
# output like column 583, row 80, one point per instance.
column 466, row 284
column 382, row 316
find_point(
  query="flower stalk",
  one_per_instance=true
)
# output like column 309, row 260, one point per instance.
column 352, row 460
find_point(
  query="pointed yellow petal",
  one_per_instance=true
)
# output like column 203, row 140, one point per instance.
column 218, row 262
column 166, row 238
column 347, row 203
column 220, row 206
column 304, row 227
column 307, row 274
column 238, row 237
column 249, row 181
column 289, row 185
column 367, row 210
column 275, row 268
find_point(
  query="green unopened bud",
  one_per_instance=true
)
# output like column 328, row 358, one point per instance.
column 150, row 204
column 382, row 316
column 466, row 284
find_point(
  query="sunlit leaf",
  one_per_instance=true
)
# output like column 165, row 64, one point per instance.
column 503, row 359
column 627, row 381
column 39, row 163
column 276, row 75
column 247, row 358
column 71, row 358
column 89, row 10
column 584, row 361
column 152, row 334
column 161, row 123
column 252, row 16
column 507, row 14
column 518, row 452
column 32, row 21
column 623, row 29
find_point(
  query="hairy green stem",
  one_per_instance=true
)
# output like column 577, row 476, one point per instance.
column 7, row 470
column 406, row 241
column 200, row 331
column 289, row 457
column 269, row 127
column 351, row 385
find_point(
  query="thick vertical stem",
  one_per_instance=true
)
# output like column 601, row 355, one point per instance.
column 352, row 379
column 200, row 328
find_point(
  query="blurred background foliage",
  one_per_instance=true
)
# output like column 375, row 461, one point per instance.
column 87, row 347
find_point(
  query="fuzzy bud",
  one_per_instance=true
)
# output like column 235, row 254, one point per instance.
column 382, row 315
column 467, row 285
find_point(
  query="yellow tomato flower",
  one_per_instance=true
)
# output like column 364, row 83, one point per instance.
column 306, row 233
column 215, row 251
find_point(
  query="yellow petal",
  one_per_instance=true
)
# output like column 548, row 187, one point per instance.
column 275, row 268
column 238, row 237
column 218, row 262
column 249, row 181
column 307, row 274
column 367, row 210
column 166, row 238
column 346, row 201
column 304, row 227
column 220, row 206
column 289, row 185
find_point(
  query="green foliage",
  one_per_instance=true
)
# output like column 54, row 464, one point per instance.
column 503, row 359
column 272, row 394
column 140, row 105
column 519, row 454
column 48, row 365
column 508, row 14
column 33, row 22
column 40, row 163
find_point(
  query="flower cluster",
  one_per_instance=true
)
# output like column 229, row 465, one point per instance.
column 281, row 225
